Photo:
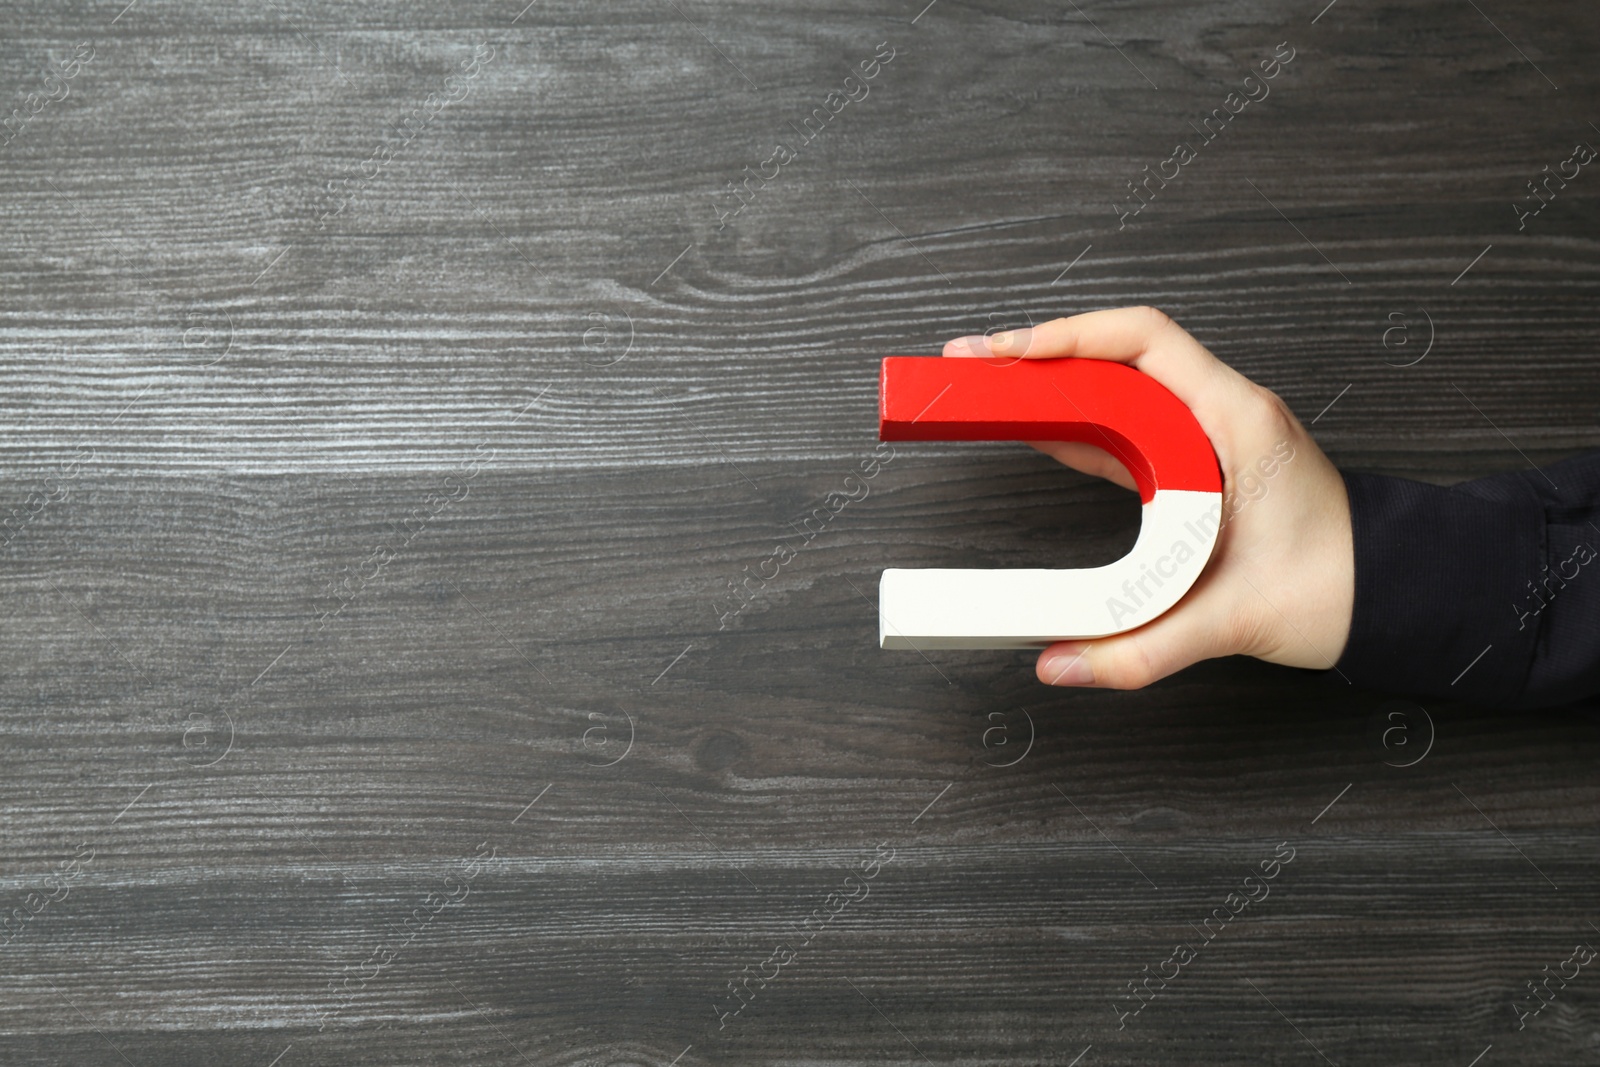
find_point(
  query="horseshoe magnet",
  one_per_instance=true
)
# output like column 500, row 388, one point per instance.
column 1097, row 402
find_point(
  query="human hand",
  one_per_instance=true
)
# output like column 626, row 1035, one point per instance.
column 1280, row 584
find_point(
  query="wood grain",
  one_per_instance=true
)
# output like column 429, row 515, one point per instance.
column 239, row 795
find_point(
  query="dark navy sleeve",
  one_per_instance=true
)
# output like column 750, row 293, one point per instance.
column 1486, row 592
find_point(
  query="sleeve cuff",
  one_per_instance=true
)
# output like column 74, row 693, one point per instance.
column 1439, row 577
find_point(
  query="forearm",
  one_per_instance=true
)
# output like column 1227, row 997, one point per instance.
column 1484, row 591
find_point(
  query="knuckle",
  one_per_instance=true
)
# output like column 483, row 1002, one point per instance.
column 1129, row 667
column 1154, row 319
column 1273, row 412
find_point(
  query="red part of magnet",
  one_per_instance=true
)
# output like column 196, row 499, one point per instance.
column 1110, row 405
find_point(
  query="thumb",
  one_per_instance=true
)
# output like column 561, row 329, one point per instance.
column 1183, row 636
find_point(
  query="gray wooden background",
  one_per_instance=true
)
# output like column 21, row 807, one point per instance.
column 363, row 697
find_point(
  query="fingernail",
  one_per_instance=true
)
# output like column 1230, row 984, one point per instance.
column 968, row 346
column 1011, row 341
column 1067, row 666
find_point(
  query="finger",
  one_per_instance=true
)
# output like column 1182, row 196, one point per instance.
column 1088, row 459
column 976, row 345
column 1183, row 636
column 1140, row 336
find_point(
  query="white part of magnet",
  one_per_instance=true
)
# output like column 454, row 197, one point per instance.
column 1031, row 608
